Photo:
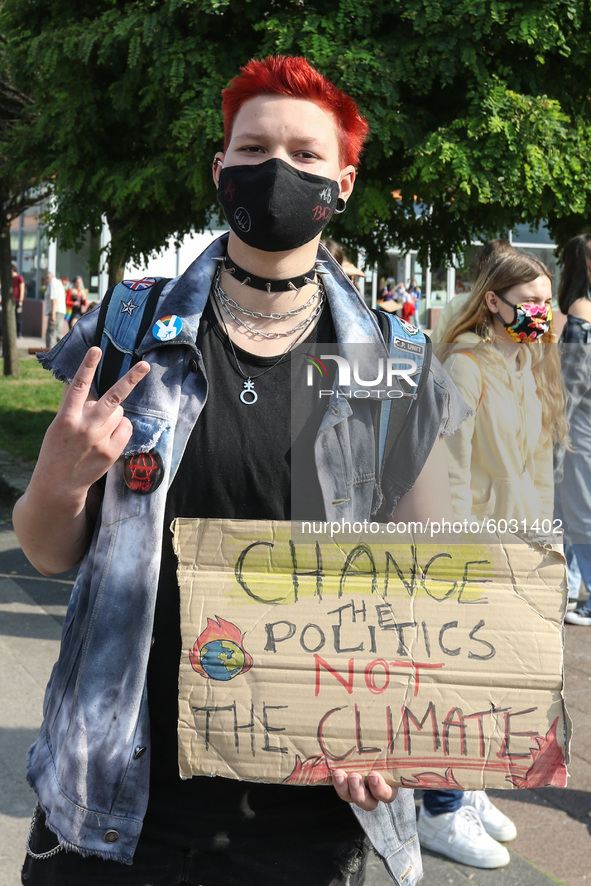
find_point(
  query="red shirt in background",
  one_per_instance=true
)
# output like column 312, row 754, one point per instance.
column 17, row 282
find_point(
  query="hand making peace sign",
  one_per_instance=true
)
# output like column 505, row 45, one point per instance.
column 84, row 440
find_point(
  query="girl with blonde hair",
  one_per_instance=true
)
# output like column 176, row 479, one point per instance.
column 501, row 354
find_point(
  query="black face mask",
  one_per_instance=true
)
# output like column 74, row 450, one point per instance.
column 273, row 206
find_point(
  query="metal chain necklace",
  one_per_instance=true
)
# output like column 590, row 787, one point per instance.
column 248, row 390
column 258, row 315
column 223, row 299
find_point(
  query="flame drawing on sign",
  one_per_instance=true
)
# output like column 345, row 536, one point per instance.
column 549, row 765
column 218, row 652
column 433, row 781
column 313, row 770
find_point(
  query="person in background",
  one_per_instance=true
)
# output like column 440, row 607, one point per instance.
column 573, row 465
column 387, row 290
column 414, row 291
column 354, row 274
column 393, row 298
column 76, row 301
column 339, row 254
column 18, row 292
column 409, row 309
column 55, row 308
column 453, row 308
column 335, row 249
column 502, row 357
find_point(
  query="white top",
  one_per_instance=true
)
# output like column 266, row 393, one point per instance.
column 55, row 290
column 500, row 459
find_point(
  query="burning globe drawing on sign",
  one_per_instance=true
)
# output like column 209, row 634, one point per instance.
column 218, row 652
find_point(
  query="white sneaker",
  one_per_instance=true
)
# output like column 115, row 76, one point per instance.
column 460, row 836
column 496, row 824
column 580, row 616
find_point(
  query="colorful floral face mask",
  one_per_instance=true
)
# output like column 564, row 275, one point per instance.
column 530, row 322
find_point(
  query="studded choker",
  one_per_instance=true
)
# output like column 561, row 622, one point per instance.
column 248, row 279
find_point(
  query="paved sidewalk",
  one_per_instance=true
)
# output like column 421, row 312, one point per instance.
column 553, row 843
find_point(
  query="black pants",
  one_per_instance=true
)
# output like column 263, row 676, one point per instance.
column 160, row 864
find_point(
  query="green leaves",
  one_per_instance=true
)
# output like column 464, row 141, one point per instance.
column 520, row 156
column 478, row 109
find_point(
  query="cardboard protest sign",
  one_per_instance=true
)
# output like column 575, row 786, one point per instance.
column 437, row 667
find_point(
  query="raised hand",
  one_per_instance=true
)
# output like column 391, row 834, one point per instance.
column 53, row 518
column 91, row 434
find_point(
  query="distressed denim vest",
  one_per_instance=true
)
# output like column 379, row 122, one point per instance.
column 90, row 764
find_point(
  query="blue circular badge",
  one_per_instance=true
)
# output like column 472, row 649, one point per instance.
column 167, row 328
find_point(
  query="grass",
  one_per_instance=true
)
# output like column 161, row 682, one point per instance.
column 27, row 407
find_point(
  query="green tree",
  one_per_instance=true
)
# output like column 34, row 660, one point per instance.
column 478, row 110
column 16, row 194
column 117, row 82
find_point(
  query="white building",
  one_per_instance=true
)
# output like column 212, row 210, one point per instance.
column 33, row 253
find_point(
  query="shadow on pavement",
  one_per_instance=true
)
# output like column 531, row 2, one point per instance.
column 576, row 804
column 16, row 797
column 34, row 625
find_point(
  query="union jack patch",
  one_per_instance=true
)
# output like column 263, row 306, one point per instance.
column 138, row 285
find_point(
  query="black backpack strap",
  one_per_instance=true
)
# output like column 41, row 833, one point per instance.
column 148, row 314
column 115, row 361
column 100, row 323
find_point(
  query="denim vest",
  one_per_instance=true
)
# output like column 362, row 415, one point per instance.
column 90, row 764
column 576, row 331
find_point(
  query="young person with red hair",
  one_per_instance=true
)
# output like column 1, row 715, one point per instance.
column 293, row 77
column 210, row 401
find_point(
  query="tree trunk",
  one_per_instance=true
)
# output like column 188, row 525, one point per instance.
column 116, row 253
column 9, row 341
column 116, row 270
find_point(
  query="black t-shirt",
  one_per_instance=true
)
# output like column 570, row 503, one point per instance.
column 237, row 465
